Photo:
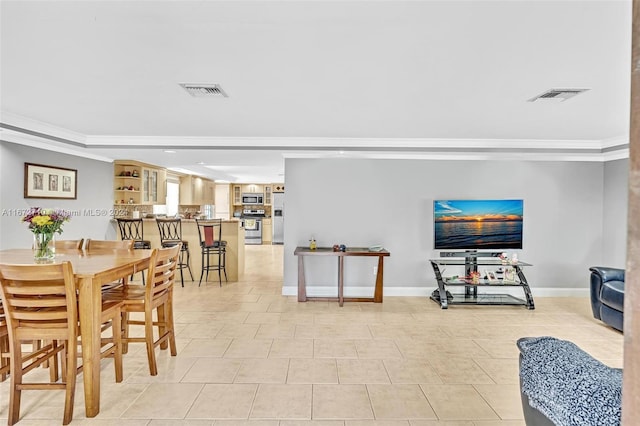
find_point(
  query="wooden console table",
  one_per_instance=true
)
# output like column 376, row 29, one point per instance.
column 301, row 252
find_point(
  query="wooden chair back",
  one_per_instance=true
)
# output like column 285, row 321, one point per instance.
column 69, row 244
column 109, row 244
column 4, row 345
column 162, row 273
column 40, row 303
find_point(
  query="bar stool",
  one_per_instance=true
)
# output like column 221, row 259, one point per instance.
column 133, row 229
column 171, row 235
column 211, row 243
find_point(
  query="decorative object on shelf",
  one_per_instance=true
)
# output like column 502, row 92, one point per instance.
column 45, row 223
column 491, row 277
column 134, row 173
column 509, row 275
column 49, row 182
column 312, row 244
column 475, row 277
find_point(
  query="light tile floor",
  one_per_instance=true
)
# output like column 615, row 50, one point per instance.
column 247, row 355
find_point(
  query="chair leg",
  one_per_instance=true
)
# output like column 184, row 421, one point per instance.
column 4, row 357
column 220, row 267
column 162, row 325
column 124, row 326
column 70, row 380
column 202, row 269
column 148, row 334
column 116, row 329
column 189, row 263
column 169, row 318
column 16, row 381
column 208, row 264
column 224, row 264
column 54, row 374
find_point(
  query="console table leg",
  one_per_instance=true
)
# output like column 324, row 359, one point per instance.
column 340, row 280
column 302, row 286
column 377, row 293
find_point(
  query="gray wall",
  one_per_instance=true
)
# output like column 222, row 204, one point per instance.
column 615, row 204
column 94, row 195
column 390, row 202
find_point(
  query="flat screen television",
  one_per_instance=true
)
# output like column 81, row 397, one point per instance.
column 477, row 224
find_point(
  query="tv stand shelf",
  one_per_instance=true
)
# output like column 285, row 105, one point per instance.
column 473, row 262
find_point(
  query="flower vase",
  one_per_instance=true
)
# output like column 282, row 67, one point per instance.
column 44, row 247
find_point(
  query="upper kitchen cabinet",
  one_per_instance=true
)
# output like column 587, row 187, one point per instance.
column 195, row 190
column 253, row 188
column 138, row 183
column 154, row 186
column 267, row 194
column 277, row 187
column 236, row 195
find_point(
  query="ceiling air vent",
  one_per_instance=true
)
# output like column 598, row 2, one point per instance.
column 557, row 95
column 204, row 90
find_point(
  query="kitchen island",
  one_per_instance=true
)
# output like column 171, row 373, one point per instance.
column 232, row 233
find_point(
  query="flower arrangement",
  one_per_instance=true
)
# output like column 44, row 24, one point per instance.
column 44, row 223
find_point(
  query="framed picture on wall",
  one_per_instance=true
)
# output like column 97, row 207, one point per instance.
column 42, row 181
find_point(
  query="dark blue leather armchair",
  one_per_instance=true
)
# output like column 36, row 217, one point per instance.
column 607, row 295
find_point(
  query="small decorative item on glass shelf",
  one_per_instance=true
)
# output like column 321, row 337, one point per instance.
column 45, row 223
column 491, row 277
column 509, row 276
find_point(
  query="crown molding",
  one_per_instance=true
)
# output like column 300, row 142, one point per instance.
column 18, row 129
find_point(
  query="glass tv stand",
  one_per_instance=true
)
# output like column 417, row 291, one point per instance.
column 483, row 271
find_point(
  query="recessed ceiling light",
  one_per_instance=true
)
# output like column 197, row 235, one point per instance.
column 169, row 151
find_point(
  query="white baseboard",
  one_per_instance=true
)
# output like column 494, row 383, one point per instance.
column 331, row 291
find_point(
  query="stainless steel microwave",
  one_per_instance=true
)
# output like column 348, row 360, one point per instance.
column 252, row 198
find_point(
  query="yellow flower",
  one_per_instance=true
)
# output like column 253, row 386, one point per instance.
column 42, row 220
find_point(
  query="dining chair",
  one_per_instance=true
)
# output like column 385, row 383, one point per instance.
column 69, row 244
column 4, row 345
column 4, row 350
column 40, row 303
column 171, row 235
column 108, row 245
column 133, row 229
column 211, row 244
column 156, row 295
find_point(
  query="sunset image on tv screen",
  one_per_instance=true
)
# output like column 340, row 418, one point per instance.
column 477, row 224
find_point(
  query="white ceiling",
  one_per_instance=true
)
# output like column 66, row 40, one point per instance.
column 385, row 78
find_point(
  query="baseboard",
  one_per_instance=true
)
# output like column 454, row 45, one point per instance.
column 331, row 291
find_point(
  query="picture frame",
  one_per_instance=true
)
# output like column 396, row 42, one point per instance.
column 42, row 181
column 491, row 276
column 509, row 275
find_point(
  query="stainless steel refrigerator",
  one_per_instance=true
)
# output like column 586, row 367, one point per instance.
column 278, row 218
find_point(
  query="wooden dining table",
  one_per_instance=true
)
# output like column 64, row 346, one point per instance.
column 92, row 269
